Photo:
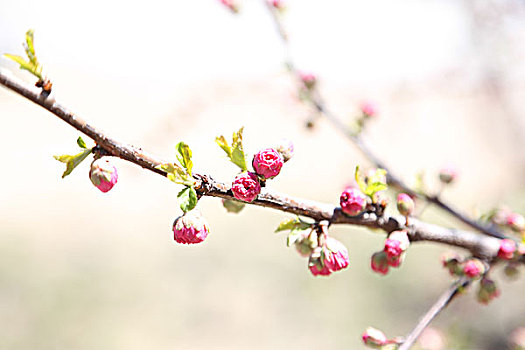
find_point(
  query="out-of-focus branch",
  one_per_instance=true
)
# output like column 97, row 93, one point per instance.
column 318, row 103
column 479, row 245
column 438, row 306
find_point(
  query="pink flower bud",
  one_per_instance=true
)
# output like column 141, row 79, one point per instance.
column 324, row 271
column 316, row 264
column 268, row 163
column 392, row 248
column 448, row 174
column 516, row 222
column 506, row 249
column 285, row 147
column 309, row 80
column 405, row 204
column 190, row 228
column 246, row 187
column 374, row 338
column 517, row 338
column 335, row 255
column 473, row 268
column 487, row 291
column 368, row 109
column 452, row 261
column 231, row 4
column 395, row 246
column 352, row 201
column 396, row 261
column 278, row 4
column 379, row 263
column 103, row 174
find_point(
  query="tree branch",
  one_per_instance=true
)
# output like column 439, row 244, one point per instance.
column 318, row 103
column 480, row 246
column 438, row 306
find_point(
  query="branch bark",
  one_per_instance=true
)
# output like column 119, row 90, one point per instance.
column 480, row 246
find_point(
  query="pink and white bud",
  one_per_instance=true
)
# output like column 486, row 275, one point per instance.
column 268, row 163
column 473, row 268
column 277, row 4
column 232, row 5
column 379, row 263
column 246, row 187
column 103, row 174
column 335, row 254
column 396, row 261
column 516, row 222
column 190, row 228
column 517, row 339
column 309, row 79
column 405, row 204
column 368, row 109
column 316, row 264
column 487, row 290
column 506, row 249
column 286, row 148
column 448, row 174
column 374, row 338
column 352, row 201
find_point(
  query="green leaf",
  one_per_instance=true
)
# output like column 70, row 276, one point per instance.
column 221, row 141
column 30, row 49
column 359, row 179
column 375, row 187
column 238, row 158
column 188, row 199
column 184, row 156
column 81, row 143
column 176, row 174
column 72, row 161
column 293, row 224
column 32, row 65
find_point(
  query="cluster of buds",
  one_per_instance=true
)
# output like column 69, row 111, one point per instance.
column 458, row 266
column 329, row 257
column 375, row 339
column 267, row 165
column 232, row 5
column 103, row 174
column 487, row 290
column 405, row 205
column 393, row 253
column 352, row 201
column 190, row 228
column 448, row 174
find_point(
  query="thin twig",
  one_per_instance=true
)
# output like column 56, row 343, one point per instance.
column 318, row 103
column 438, row 306
column 479, row 245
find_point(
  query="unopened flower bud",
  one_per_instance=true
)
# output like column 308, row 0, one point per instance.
column 374, row 338
column 506, row 249
column 396, row 261
column 267, row 163
column 309, row 80
column 516, row 222
column 246, row 187
column 190, row 228
column 306, row 244
column 335, row 255
column 316, row 265
column 517, row 339
column 368, row 109
column 473, row 268
column 103, row 174
column 452, row 261
column 286, row 148
column 487, row 290
column 277, row 4
column 233, row 206
column 448, row 174
column 405, row 204
column 352, row 201
column 379, row 262
column 511, row 270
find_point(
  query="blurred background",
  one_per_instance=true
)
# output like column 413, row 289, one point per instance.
column 84, row 270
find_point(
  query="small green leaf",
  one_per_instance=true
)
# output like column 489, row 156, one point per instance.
column 184, row 156
column 293, row 224
column 359, row 179
column 72, row 161
column 188, row 199
column 221, row 141
column 238, row 158
column 375, row 187
column 176, row 174
column 81, row 143
column 30, row 49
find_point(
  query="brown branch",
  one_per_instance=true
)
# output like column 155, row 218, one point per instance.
column 438, row 306
column 318, row 103
column 479, row 245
